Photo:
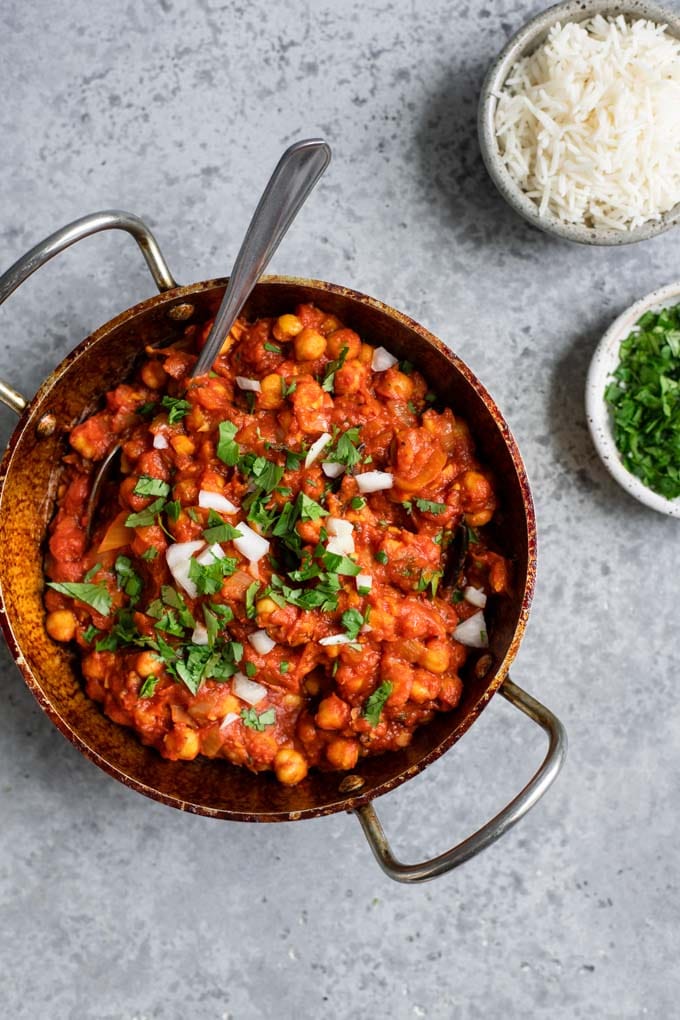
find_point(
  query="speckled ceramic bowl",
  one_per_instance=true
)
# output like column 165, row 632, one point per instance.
column 524, row 42
column 604, row 361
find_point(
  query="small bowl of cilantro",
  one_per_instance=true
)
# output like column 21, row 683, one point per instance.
column 633, row 400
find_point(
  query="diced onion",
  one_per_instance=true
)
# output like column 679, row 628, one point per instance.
column 229, row 718
column 261, row 642
column 250, row 544
column 382, row 360
column 160, row 442
column 317, row 446
column 472, row 632
column 212, row 553
column 216, row 501
column 338, row 527
column 178, row 557
column 374, row 481
column 341, row 545
column 248, row 690
column 475, row 597
column 336, row 639
column 364, row 581
column 199, row 635
column 248, row 384
column 331, row 469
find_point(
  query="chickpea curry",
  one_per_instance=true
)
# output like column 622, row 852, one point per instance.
column 288, row 571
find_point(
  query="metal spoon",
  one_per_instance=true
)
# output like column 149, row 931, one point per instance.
column 294, row 178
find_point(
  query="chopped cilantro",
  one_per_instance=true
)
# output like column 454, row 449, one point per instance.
column 208, row 579
column 148, row 486
column 90, row 634
column 151, row 553
column 145, row 518
column 220, row 531
column 227, row 447
column 128, row 579
column 287, row 389
column 97, row 596
column 173, row 510
column 148, row 687
column 92, row 571
column 284, row 667
column 309, row 509
column 357, row 503
column 381, row 556
column 293, row 460
column 352, row 621
column 250, row 599
column 177, row 408
column 258, row 722
column 333, row 366
column 374, row 705
column 272, row 348
column 427, row 506
column 346, row 451
column 251, row 669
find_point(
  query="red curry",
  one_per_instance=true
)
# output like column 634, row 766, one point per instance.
column 269, row 580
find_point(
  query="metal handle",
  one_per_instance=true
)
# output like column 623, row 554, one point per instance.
column 509, row 816
column 294, row 177
column 110, row 219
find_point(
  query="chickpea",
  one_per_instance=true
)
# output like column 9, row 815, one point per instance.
column 183, row 445
column 265, row 607
column 349, row 378
column 425, row 686
column 333, row 713
column 330, row 324
column 476, row 489
column 478, row 519
column 147, row 664
column 270, row 396
column 343, row 753
column 341, row 339
column 154, row 375
column 61, row 625
column 397, row 385
column 365, row 355
column 312, row 686
column 286, row 327
column 309, row 344
column 437, row 656
column 182, row 743
column 290, row 766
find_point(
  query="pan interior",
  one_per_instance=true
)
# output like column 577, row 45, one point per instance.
column 29, row 474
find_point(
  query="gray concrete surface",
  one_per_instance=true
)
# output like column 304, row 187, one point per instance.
column 112, row 906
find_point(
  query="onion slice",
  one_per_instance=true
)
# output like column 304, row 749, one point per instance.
column 316, row 448
column 474, row 596
column 160, row 442
column 247, row 690
column 261, row 642
column 229, row 718
column 336, row 639
column 199, row 635
column 216, row 501
column 212, row 553
column 374, row 481
column 382, row 360
column 364, row 582
column 341, row 545
column 339, row 527
column 331, row 469
column 250, row 544
column 472, row 632
column 178, row 558
column 248, row 384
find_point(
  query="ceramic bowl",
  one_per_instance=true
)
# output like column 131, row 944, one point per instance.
column 603, row 364
column 529, row 38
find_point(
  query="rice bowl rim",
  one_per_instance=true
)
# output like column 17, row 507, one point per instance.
column 532, row 35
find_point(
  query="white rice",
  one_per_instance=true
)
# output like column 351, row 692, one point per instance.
column 589, row 124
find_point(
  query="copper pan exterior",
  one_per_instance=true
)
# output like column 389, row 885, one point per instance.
column 27, row 488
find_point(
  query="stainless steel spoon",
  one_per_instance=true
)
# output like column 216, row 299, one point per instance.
column 294, row 178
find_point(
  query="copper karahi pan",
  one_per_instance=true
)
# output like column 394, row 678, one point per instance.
column 27, row 490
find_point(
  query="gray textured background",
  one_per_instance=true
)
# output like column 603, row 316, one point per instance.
column 112, row 906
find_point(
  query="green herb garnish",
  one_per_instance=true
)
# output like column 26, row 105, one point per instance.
column 376, row 702
column 149, row 686
column 176, row 408
column 145, row 518
column 227, row 447
column 258, row 722
column 148, row 486
column 427, row 506
column 644, row 399
column 97, row 596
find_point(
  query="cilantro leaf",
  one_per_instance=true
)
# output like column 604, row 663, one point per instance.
column 374, row 705
column 176, row 408
column 352, row 621
column 148, row 486
column 227, row 447
column 208, row 578
column 145, row 518
column 149, row 686
column 427, row 506
column 97, row 596
column 258, row 722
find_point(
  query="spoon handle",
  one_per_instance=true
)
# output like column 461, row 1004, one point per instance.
column 296, row 173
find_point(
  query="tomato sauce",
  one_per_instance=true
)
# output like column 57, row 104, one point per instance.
column 246, row 594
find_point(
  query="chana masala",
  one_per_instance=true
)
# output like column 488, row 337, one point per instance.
column 288, row 569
